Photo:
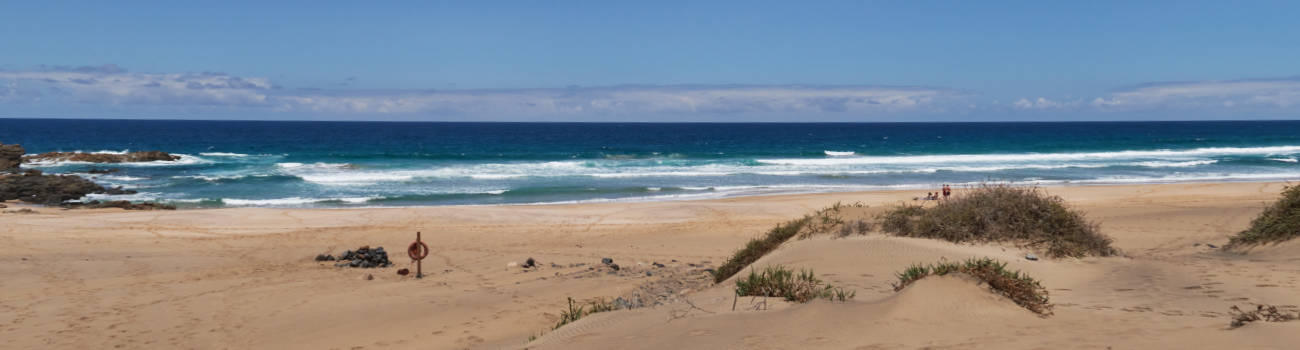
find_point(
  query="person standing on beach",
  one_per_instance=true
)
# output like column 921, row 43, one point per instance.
column 947, row 191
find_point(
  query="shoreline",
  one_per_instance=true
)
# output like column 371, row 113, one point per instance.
column 956, row 187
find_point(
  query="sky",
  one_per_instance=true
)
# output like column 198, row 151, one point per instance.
column 651, row 61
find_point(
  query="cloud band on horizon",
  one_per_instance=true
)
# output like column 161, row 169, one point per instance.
column 110, row 85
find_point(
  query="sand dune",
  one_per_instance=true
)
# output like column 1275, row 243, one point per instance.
column 244, row 278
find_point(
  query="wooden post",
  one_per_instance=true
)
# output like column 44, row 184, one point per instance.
column 419, row 264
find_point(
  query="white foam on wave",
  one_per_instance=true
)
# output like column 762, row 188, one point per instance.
column 1284, row 160
column 290, row 201
column 223, row 154
column 1189, row 178
column 136, row 197
column 318, row 165
column 1164, row 164
column 1030, row 157
column 839, row 153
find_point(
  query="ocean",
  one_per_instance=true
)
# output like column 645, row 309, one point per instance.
column 379, row 164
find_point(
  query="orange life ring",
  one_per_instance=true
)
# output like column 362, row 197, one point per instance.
column 417, row 250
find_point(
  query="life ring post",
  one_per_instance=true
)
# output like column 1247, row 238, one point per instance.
column 418, row 251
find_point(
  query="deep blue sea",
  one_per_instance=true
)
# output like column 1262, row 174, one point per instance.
column 355, row 164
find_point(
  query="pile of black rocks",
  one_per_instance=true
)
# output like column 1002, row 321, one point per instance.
column 363, row 257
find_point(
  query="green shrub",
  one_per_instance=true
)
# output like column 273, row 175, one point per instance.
column 1020, row 288
column 778, row 281
column 1003, row 213
column 1279, row 222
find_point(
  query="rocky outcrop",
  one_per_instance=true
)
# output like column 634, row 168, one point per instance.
column 11, row 156
column 32, row 186
column 127, row 205
column 145, row 156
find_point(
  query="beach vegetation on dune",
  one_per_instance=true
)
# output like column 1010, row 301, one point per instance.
column 577, row 311
column 779, row 281
column 1278, row 222
column 826, row 220
column 1003, row 213
column 1020, row 288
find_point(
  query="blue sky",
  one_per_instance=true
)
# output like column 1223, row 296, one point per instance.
column 651, row 61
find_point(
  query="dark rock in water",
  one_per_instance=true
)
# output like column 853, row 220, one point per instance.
column 324, row 257
column 530, row 263
column 11, row 157
column 33, row 186
column 606, row 261
column 145, row 156
column 103, row 171
column 120, row 204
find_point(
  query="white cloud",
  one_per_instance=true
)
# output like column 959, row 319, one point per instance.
column 1257, row 93
column 111, row 85
column 1043, row 103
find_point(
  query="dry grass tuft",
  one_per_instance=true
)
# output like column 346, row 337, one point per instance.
column 1266, row 313
column 778, row 281
column 1279, row 222
column 1020, row 288
column 1003, row 213
column 577, row 311
column 826, row 220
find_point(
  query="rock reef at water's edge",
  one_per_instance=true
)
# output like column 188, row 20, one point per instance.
column 130, row 157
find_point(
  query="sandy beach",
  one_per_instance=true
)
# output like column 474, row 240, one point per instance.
column 245, row 278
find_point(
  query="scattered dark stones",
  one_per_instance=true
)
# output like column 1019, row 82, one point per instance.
column 648, row 274
column 1211, row 246
column 324, row 257
column 363, row 257
column 403, row 272
column 530, row 263
column 657, row 265
column 368, row 277
column 613, row 267
column 144, row 156
column 554, row 265
column 606, row 261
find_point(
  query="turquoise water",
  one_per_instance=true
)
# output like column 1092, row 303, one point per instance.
column 354, row 164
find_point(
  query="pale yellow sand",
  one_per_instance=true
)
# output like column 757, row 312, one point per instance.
column 244, row 278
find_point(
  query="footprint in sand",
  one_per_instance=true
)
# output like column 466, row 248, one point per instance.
column 700, row 332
